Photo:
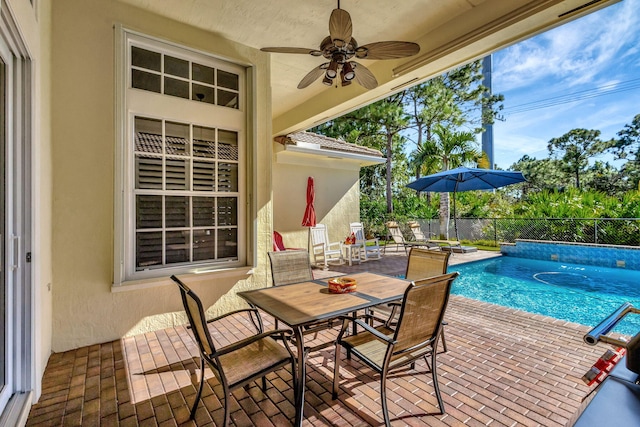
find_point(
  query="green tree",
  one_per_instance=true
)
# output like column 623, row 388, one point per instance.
column 454, row 99
column 574, row 149
column 627, row 146
column 451, row 149
column 540, row 174
column 605, row 178
column 378, row 125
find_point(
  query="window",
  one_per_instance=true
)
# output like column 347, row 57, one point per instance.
column 182, row 172
column 166, row 74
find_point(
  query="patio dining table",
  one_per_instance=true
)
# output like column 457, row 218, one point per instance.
column 302, row 304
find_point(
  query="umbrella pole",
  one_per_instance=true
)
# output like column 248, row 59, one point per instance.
column 455, row 221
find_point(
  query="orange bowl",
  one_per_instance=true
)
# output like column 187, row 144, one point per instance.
column 342, row 285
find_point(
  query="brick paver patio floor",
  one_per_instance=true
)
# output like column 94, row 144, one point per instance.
column 503, row 368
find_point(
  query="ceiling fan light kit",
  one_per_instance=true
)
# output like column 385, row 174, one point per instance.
column 339, row 48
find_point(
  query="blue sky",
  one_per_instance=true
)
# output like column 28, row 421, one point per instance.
column 595, row 58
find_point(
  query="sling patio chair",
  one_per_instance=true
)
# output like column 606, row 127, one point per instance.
column 370, row 247
column 422, row 264
column 293, row 266
column 419, row 236
column 396, row 235
column 322, row 248
column 415, row 336
column 239, row 363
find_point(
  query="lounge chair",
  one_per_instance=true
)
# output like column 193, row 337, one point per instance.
column 419, row 236
column 371, row 247
column 398, row 238
column 442, row 244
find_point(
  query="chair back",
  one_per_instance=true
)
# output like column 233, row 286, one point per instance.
column 319, row 235
column 422, row 311
column 278, row 243
column 424, row 263
column 395, row 232
column 417, row 231
column 290, row 267
column 358, row 230
column 197, row 319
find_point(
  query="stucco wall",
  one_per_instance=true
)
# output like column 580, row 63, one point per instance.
column 85, row 310
column 337, row 196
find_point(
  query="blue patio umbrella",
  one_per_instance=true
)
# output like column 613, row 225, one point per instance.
column 465, row 179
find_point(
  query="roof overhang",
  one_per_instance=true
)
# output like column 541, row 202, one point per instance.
column 309, row 155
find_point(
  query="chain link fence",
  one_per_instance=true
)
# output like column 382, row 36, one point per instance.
column 606, row 231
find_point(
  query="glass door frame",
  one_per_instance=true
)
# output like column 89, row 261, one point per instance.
column 16, row 393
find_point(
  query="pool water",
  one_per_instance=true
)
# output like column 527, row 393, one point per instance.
column 576, row 293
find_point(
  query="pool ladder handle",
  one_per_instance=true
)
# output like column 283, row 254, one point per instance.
column 599, row 333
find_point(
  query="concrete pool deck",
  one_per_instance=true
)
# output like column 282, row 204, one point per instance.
column 394, row 263
column 503, row 367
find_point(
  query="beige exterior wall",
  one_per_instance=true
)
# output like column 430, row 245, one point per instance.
column 337, row 195
column 85, row 309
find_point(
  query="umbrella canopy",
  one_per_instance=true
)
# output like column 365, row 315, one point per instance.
column 309, row 219
column 466, row 179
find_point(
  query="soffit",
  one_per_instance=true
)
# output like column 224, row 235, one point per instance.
column 450, row 32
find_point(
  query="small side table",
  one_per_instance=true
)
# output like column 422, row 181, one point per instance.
column 352, row 252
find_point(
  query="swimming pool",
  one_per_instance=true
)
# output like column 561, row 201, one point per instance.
column 576, row 293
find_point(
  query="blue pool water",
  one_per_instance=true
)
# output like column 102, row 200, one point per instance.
column 576, row 293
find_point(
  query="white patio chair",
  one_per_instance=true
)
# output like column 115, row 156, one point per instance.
column 322, row 248
column 371, row 247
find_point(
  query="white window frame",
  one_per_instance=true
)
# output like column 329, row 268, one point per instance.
column 136, row 102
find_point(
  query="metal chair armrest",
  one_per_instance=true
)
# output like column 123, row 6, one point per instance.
column 246, row 341
column 355, row 320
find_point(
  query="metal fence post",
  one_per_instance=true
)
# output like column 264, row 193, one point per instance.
column 595, row 231
column 495, row 231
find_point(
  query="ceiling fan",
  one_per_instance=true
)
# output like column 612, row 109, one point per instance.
column 339, row 48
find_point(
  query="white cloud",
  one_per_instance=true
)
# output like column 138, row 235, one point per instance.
column 574, row 53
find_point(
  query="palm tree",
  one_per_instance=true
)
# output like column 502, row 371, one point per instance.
column 452, row 149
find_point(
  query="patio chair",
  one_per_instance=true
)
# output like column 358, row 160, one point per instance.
column 371, row 247
column 422, row 264
column 419, row 236
column 289, row 267
column 241, row 362
column 278, row 243
column 415, row 336
column 324, row 249
column 396, row 235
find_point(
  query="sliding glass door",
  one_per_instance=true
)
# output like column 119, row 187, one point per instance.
column 4, row 389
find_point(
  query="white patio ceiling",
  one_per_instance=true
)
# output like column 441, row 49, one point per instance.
column 449, row 32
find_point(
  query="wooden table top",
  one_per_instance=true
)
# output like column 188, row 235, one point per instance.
column 308, row 302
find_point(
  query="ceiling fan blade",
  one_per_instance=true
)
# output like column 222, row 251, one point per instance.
column 340, row 27
column 302, row 50
column 387, row 50
column 364, row 77
column 313, row 75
